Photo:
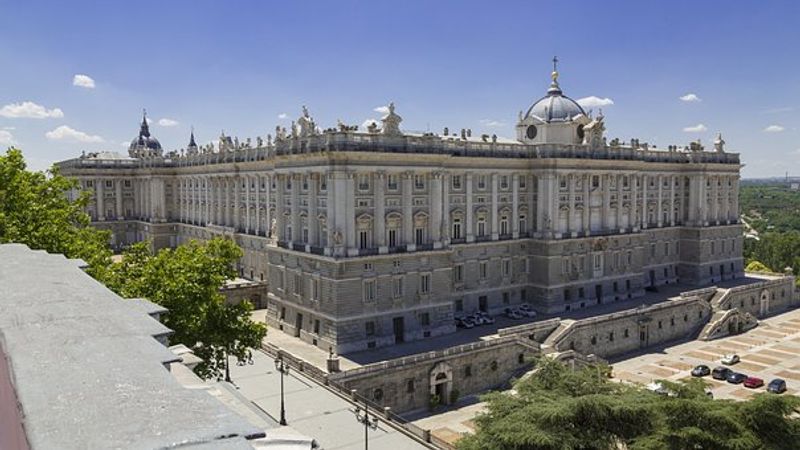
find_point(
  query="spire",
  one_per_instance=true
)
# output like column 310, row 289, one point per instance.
column 555, row 89
column 191, row 139
column 145, row 129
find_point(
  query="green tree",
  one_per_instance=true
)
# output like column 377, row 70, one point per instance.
column 557, row 408
column 36, row 210
column 756, row 266
column 186, row 280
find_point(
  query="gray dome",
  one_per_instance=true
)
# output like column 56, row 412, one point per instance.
column 555, row 106
column 144, row 144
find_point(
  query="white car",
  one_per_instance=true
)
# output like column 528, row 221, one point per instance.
column 526, row 312
column 513, row 314
column 730, row 359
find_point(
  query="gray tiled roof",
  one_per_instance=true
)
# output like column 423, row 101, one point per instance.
column 87, row 371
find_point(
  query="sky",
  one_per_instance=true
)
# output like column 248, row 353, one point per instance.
column 76, row 75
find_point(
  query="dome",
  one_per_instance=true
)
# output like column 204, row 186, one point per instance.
column 555, row 106
column 144, row 144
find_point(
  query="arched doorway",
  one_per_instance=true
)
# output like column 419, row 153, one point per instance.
column 764, row 309
column 441, row 382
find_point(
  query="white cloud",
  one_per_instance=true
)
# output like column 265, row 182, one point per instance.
column 594, row 102
column 381, row 109
column 10, row 128
column 773, row 129
column 167, row 122
column 492, row 123
column 6, row 138
column 690, row 97
column 65, row 133
column 778, row 110
column 29, row 110
column 84, row 81
column 699, row 128
column 282, row 116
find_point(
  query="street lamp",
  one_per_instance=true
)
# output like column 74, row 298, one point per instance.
column 283, row 368
column 363, row 418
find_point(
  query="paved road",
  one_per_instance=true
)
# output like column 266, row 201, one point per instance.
column 771, row 350
column 311, row 409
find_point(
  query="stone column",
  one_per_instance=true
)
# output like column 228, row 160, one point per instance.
column 332, row 209
column 515, row 206
column 672, row 200
column 659, row 212
column 380, row 212
column 313, row 219
column 280, row 185
column 469, row 213
column 633, row 215
column 268, row 194
column 294, row 209
column 587, row 205
column 571, row 206
column 248, row 180
column 257, row 205
column 493, row 211
column 606, row 186
column 446, row 183
column 714, row 200
column 349, row 222
column 735, row 199
column 531, row 219
column 229, row 186
column 408, row 210
column 101, row 211
column 118, row 194
column 436, row 209
column 645, row 208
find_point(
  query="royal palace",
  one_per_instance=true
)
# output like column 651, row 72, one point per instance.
column 369, row 237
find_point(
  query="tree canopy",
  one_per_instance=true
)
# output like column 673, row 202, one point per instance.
column 558, row 408
column 186, row 280
column 36, row 210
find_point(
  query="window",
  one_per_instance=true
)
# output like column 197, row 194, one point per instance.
column 425, row 283
column 109, row 183
column 298, row 284
column 369, row 328
column 456, row 229
column 526, row 265
column 363, row 239
column 425, row 319
column 419, row 235
column 456, row 181
column 323, row 183
column 481, row 226
column 392, row 182
column 316, row 326
column 504, row 225
column 459, row 305
column 398, row 287
column 419, row 182
column 598, row 261
column 363, row 182
column 506, row 267
column 504, row 182
column 562, row 183
column 289, row 183
column 523, row 224
column 522, row 182
column 653, row 250
column 89, row 183
column 458, row 273
column 666, row 248
column 305, row 183
column 314, row 289
column 595, row 181
column 506, row 298
column 392, row 237
column 410, row 386
column 467, row 371
column 481, row 181
column 127, row 183
column 369, row 290
column 482, row 268
column 283, row 313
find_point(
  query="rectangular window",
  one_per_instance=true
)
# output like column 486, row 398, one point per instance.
column 506, row 298
column 425, row 283
column 419, row 236
column 419, row 182
column 323, row 183
column 109, row 183
column 456, row 181
column 127, row 183
column 595, row 181
column 391, row 182
column 363, row 239
column 425, row 319
column 369, row 290
column 316, row 326
column 522, row 182
column 363, row 182
column 481, row 181
column 504, row 182
column 369, row 328
column 298, row 284
column 458, row 273
column 459, row 305
column 482, row 272
column 398, row 287
column 392, row 237
column 314, row 289
column 506, row 267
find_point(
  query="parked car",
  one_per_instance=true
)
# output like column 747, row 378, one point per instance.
column 736, row 377
column 487, row 319
column 512, row 314
column 526, row 307
column 730, row 359
column 526, row 312
column 463, row 322
column 700, row 371
column 721, row 373
column 476, row 318
column 753, row 382
column 777, row 386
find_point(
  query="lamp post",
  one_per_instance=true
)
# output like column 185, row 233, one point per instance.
column 363, row 418
column 283, row 368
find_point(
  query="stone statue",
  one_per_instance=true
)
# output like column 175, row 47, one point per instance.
column 337, row 237
column 305, row 124
column 273, row 228
column 391, row 122
column 259, row 141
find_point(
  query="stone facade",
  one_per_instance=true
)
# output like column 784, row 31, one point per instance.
column 368, row 238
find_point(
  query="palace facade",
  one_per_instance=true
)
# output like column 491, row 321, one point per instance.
column 372, row 237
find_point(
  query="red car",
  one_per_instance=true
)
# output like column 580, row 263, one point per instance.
column 753, row 382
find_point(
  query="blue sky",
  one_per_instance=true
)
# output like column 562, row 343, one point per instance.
column 242, row 65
